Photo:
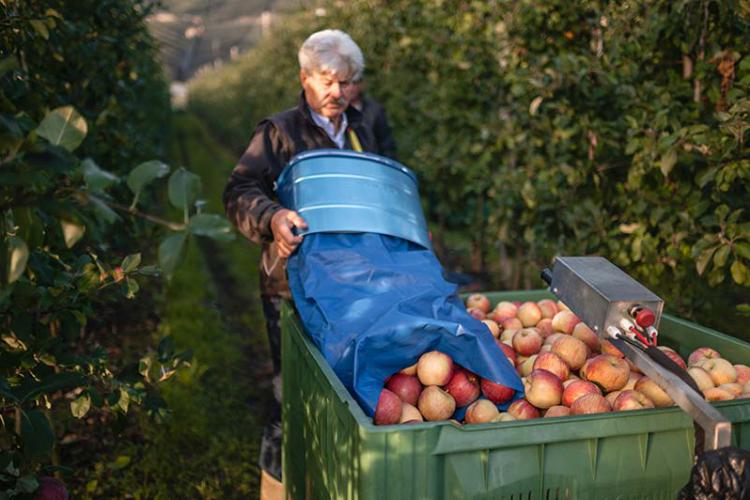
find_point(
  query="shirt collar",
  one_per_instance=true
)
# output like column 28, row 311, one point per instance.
column 326, row 124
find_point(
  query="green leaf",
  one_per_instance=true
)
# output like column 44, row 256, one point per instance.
column 63, row 127
column 668, row 162
column 55, row 382
column 742, row 248
column 184, row 188
column 103, row 212
column 72, row 232
column 170, row 252
column 97, row 179
column 124, row 402
column 131, row 262
column 18, row 257
column 132, row 287
column 36, row 434
column 740, row 273
column 211, row 225
column 703, row 259
column 143, row 174
column 40, row 27
column 120, row 462
column 81, row 405
column 721, row 255
column 7, row 64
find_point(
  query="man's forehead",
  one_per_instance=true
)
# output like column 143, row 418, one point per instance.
column 332, row 75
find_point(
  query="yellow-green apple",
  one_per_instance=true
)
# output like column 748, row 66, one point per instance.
column 552, row 363
column 565, row 321
column 480, row 301
column 527, row 342
column 406, row 387
column 571, row 350
column 656, row 394
column 527, row 366
column 507, row 336
column 503, row 310
column 497, row 393
column 493, row 327
column 463, row 386
column 410, row 414
column 702, row 378
column 388, row 409
column 523, row 410
column 434, row 368
column 608, row 372
column 505, row 417
column 590, row 403
column 632, row 400
column 436, row 404
column 480, row 412
column 721, row 370
column 529, row 314
column 702, row 353
column 543, row 389
column 577, row 389
column 717, row 394
column 548, row 308
column 557, row 411
column 586, row 335
column 743, row 374
column 410, row 370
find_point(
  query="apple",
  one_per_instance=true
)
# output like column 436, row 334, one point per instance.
column 406, row 387
column 674, row 357
column 717, row 394
column 721, row 370
column 388, row 409
column 702, row 353
column 410, row 414
column 481, row 412
column 493, row 327
column 571, row 350
column 702, row 378
column 543, row 389
column 545, row 327
column 609, row 348
column 523, row 410
column 590, row 403
column 564, row 322
column 50, row 489
column 507, row 336
column 743, row 374
column 478, row 300
column 529, row 313
column 503, row 310
column 586, row 335
column 631, row 400
column 612, row 396
column 632, row 379
column 733, row 388
column 553, row 363
column 527, row 366
column 511, row 324
column 553, row 338
column 434, row 368
column 476, row 313
column 436, row 404
column 561, row 306
column 548, row 307
column 576, row 389
column 508, row 351
column 463, row 386
column 497, row 393
column 656, row 394
column 608, row 372
column 527, row 341
column 410, row 370
column 557, row 411
column 505, row 417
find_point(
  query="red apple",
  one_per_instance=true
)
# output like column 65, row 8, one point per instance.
column 545, row 327
column 553, row 363
column 548, row 307
column 434, row 368
column 481, row 412
column 463, row 386
column 656, row 394
column 590, row 403
column 543, row 389
column 523, row 410
column 612, row 396
column 717, row 394
column 557, row 411
column 476, row 313
column 587, row 336
column 388, row 410
column 608, row 372
column 576, row 389
column 410, row 414
column 527, row 342
column 564, row 322
column 497, row 393
column 609, row 348
column 480, row 301
column 436, row 404
column 553, row 338
column 674, row 356
column 503, row 310
column 509, row 352
column 743, row 374
column 511, row 324
column 406, row 387
column 702, row 353
column 571, row 350
column 633, row 378
column 529, row 314
column 493, row 327
column 561, row 306
column 631, row 400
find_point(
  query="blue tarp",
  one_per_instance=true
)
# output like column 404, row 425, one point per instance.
column 374, row 303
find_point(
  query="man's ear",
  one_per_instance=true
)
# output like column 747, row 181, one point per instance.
column 302, row 76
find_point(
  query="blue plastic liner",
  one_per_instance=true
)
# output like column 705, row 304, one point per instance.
column 374, row 303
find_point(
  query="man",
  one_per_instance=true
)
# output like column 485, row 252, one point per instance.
column 328, row 62
column 374, row 117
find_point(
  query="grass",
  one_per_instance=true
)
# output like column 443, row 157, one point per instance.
column 208, row 448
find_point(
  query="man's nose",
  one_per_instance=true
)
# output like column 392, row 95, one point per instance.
column 336, row 90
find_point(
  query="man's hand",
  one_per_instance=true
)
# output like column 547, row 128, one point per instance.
column 282, row 223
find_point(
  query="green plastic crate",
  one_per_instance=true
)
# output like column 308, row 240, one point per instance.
column 331, row 449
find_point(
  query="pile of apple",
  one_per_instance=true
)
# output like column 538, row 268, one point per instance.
column 565, row 369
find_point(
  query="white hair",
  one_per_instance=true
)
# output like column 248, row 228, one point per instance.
column 332, row 51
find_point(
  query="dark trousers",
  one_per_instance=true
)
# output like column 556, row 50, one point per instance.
column 270, row 446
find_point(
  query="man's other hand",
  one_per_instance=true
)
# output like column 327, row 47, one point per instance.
column 282, row 223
